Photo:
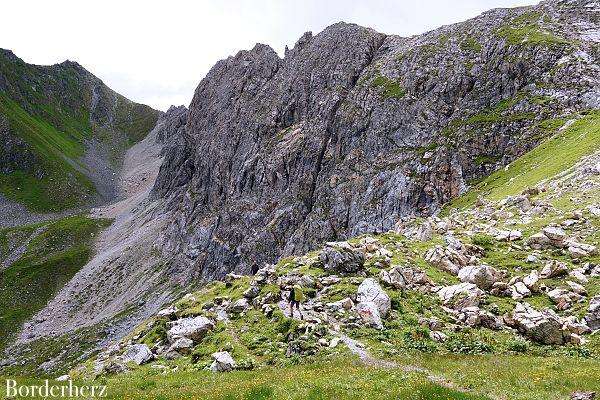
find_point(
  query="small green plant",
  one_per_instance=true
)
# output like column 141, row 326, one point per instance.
column 485, row 241
column 389, row 88
column 470, row 44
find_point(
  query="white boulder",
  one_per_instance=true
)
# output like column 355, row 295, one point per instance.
column 370, row 291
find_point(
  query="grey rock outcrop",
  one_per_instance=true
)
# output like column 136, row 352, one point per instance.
column 138, row 354
column 341, row 257
column 191, row 328
column 354, row 129
column 541, row 326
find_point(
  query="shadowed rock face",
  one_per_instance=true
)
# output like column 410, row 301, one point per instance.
column 354, row 129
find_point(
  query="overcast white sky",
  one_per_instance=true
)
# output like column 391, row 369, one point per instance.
column 156, row 52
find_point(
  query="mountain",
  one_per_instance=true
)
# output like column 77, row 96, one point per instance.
column 420, row 157
column 64, row 134
column 355, row 129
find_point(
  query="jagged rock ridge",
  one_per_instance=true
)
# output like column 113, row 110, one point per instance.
column 354, row 129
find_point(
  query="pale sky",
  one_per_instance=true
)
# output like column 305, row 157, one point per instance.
column 156, row 52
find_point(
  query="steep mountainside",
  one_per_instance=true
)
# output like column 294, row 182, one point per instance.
column 351, row 132
column 510, row 284
column 64, row 134
column 354, row 129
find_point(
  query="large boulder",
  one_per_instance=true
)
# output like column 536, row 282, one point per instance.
column 182, row 346
column 553, row 269
column 222, row 362
column 475, row 317
column 519, row 290
column 369, row 313
column 556, row 234
column 461, row 296
column 405, row 277
column 239, row 306
column 137, row 353
column 192, row 328
column 540, row 326
column 592, row 317
column 579, row 250
column 370, row 291
column 342, row 257
column 483, row 276
column 563, row 298
column 447, row 259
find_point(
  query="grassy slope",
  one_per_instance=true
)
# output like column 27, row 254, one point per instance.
column 48, row 107
column 554, row 155
column 50, row 260
column 61, row 186
column 520, row 369
column 341, row 379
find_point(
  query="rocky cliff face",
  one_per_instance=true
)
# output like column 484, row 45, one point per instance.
column 354, row 129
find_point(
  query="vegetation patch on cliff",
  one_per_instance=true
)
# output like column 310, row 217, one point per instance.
column 49, row 261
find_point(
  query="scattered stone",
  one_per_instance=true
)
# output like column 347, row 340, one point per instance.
column 405, row 277
column 577, row 288
column 555, row 234
column 519, row 290
column 191, row 328
column 252, row 292
column 580, row 250
column 239, row 306
column 563, row 298
column 461, row 295
column 592, row 317
column 553, row 269
column 267, row 274
column 510, row 236
column 447, row 259
column 169, row 312
column 476, row 317
column 583, row 395
column 531, row 259
column 223, row 362
column 344, row 304
column 538, row 241
column 532, row 281
column 341, row 257
column 433, row 324
column 137, row 353
column 330, row 280
column 182, row 346
column 438, row 336
column 579, row 275
column 483, row 276
column 231, row 277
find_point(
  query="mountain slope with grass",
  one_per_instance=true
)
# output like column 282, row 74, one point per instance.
column 64, row 134
column 506, row 285
column 435, row 197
